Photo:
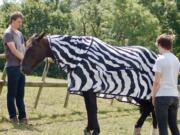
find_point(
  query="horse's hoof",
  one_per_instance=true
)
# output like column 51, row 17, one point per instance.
column 87, row 132
column 137, row 131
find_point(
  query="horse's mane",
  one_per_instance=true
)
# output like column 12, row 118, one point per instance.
column 34, row 36
column 29, row 41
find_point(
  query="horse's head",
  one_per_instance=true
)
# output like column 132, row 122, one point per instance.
column 37, row 48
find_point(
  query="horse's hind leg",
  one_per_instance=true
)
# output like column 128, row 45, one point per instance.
column 142, row 118
column 144, row 114
column 91, row 107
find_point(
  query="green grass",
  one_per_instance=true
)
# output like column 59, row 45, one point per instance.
column 50, row 118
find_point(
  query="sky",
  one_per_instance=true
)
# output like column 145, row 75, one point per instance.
column 1, row 1
column 15, row 1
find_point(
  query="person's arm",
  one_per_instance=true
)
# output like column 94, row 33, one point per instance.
column 179, row 69
column 11, row 46
column 156, row 85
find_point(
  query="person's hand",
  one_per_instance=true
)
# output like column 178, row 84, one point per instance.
column 21, row 56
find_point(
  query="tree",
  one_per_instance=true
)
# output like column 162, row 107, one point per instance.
column 40, row 16
column 134, row 24
column 88, row 18
column 168, row 14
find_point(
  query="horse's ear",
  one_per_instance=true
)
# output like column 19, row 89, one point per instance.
column 41, row 35
column 34, row 35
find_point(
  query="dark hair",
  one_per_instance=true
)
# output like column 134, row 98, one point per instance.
column 165, row 41
column 15, row 15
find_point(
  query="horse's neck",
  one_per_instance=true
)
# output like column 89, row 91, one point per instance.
column 49, row 51
column 50, row 54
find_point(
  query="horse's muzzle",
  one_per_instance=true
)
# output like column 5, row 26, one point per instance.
column 26, row 70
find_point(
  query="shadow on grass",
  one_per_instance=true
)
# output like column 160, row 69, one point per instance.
column 54, row 116
column 128, row 110
column 65, row 121
column 67, row 118
column 3, row 130
column 29, row 127
column 57, row 117
column 63, row 118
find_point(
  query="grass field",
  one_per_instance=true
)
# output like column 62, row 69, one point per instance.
column 50, row 118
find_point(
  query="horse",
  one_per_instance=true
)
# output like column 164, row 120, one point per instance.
column 146, row 108
column 95, row 69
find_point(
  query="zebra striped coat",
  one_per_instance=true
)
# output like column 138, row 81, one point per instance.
column 111, row 71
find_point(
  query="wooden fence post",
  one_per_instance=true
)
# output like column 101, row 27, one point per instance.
column 112, row 101
column 46, row 68
column 66, row 99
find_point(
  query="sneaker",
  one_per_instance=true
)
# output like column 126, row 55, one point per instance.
column 23, row 121
column 14, row 120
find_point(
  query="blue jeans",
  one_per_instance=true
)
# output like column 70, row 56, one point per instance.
column 166, row 109
column 16, row 83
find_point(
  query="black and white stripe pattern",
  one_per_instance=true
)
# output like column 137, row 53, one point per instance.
column 111, row 71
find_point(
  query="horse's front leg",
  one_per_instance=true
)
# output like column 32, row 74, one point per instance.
column 91, row 107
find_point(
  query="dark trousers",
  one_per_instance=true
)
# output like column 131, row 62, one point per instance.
column 16, row 83
column 166, row 109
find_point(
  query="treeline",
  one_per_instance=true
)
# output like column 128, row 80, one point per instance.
column 118, row 22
